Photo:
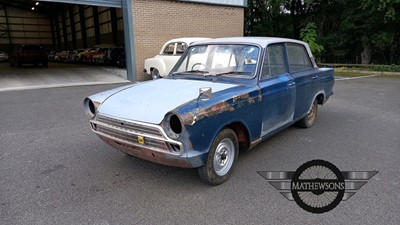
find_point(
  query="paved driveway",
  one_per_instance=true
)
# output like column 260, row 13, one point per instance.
column 54, row 170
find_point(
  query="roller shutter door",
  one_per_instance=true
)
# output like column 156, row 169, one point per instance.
column 106, row 3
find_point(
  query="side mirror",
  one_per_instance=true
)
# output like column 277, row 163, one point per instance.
column 205, row 93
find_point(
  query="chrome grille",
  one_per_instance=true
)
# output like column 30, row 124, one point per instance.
column 129, row 132
column 129, row 126
column 132, row 138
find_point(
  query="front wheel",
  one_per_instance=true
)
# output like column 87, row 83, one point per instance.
column 221, row 158
column 309, row 119
column 155, row 74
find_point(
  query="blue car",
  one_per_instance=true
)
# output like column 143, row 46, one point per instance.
column 223, row 96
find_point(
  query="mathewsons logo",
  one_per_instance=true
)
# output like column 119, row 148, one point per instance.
column 317, row 186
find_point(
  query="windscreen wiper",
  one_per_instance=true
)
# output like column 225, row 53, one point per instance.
column 230, row 72
column 191, row 71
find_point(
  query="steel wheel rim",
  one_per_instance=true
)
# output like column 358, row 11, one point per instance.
column 224, row 156
column 155, row 73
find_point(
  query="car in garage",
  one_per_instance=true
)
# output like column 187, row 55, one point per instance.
column 223, row 96
column 28, row 54
column 3, row 56
column 160, row 65
column 62, row 56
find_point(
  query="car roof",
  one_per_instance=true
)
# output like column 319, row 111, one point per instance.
column 188, row 39
column 262, row 41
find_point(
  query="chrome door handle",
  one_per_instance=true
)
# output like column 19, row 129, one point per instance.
column 314, row 77
column 291, row 83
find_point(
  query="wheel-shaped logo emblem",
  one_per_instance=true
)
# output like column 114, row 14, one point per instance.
column 317, row 186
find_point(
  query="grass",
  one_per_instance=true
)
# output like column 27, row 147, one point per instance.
column 355, row 74
column 362, row 67
column 386, row 68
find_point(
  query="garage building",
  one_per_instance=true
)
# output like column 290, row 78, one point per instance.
column 141, row 26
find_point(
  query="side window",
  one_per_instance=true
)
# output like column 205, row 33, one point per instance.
column 180, row 48
column 274, row 61
column 169, row 50
column 298, row 58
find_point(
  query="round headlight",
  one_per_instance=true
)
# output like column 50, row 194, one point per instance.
column 89, row 107
column 173, row 126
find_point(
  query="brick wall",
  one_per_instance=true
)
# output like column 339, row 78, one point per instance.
column 157, row 21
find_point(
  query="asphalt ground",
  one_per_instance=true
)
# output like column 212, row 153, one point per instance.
column 54, row 170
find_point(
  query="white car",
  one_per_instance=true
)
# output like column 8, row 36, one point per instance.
column 160, row 65
column 3, row 56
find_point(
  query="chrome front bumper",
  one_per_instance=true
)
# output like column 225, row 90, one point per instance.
column 143, row 140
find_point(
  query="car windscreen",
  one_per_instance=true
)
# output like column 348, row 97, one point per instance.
column 234, row 60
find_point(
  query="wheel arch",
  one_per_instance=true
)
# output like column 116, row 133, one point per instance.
column 320, row 98
column 242, row 133
column 157, row 63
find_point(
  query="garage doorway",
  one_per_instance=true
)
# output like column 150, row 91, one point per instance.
column 59, row 25
column 126, row 6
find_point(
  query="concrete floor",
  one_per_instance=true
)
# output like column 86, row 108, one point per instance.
column 57, row 75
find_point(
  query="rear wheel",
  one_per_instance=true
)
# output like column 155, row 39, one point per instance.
column 221, row 158
column 310, row 118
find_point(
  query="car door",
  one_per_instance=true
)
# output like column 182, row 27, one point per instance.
column 305, row 76
column 278, row 90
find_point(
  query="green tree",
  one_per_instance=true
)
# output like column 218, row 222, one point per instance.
column 357, row 31
column 309, row 35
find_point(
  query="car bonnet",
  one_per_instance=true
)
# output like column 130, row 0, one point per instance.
column 150, row 101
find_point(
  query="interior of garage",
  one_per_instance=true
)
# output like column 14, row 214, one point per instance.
column 62, row 30
column 58, row 25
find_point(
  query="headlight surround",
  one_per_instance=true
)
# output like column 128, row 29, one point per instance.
column 90, row 107
column 172, row 126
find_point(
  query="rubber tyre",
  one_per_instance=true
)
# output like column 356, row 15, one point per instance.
column 155, row 74
column 310, row 118
column 45, row 64
column 208, row 172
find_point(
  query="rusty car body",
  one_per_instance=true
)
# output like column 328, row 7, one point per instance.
column 222, row 96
